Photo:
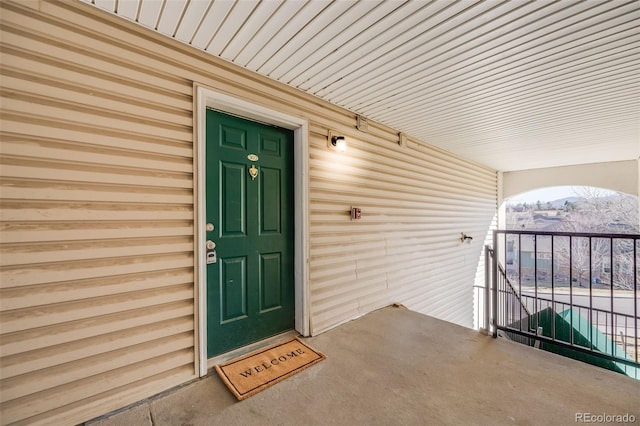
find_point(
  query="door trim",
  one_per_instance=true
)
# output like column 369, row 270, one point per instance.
column 205, row 97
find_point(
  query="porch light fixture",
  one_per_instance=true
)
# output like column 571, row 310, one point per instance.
column 337, row 142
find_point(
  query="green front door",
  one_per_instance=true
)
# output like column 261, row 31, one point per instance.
column 249, row 204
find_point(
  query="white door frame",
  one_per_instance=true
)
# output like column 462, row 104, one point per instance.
column 204, row 98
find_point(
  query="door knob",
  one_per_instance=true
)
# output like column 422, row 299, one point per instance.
column 210, row 245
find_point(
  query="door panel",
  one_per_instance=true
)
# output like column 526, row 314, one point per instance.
column 233, row 198
column 233, row 284
column 269, row 146
column 235, row 138
column 270, row 277
column 250, row 289
column 269, row 201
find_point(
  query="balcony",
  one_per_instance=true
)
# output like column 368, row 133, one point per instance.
column 448, row 107
column 395, row 366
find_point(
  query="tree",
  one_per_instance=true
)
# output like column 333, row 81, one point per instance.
column 577, row 256
column 519, row 218
column 594, row 211
column 601, row 213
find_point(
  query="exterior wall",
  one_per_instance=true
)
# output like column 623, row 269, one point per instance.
column 620, row 176
column 415, row 203
column 97, row 289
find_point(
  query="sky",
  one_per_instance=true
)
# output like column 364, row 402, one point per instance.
column 551, row 194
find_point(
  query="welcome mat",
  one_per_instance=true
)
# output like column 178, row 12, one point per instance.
column 254, row 372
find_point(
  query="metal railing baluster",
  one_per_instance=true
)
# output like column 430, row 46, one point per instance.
column 590, row 292
column 613, row 324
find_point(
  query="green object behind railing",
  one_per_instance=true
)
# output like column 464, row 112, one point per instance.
column 585, row 335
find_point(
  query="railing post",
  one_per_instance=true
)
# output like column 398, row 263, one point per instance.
column 494, row 284
column 487, row 288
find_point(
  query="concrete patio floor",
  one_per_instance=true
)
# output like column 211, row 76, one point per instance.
column 398, row 367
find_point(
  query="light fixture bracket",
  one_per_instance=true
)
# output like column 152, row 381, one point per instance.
column 336, row 142
column 361, row 123
column 402, row 140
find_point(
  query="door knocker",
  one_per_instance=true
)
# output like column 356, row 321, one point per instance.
column 253, row 172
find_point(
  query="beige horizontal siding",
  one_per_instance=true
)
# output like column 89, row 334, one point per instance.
column 97, row 289
column 97, row 294
column 415, row 202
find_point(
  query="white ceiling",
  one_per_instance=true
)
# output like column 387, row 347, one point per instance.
column 511, row 84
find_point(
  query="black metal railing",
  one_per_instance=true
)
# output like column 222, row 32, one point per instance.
column 576, row 294
column 514, row 310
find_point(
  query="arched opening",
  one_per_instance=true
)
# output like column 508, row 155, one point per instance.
column 573, row 209
column 566, row 274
